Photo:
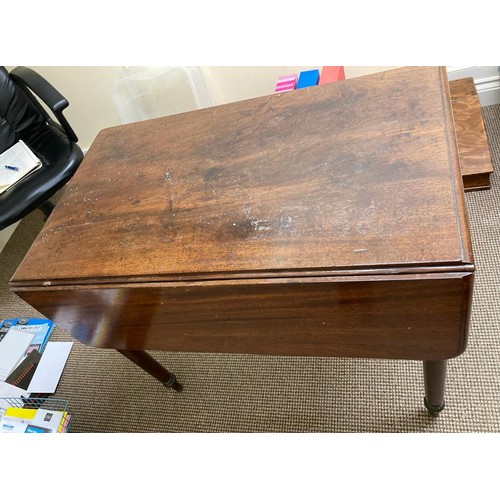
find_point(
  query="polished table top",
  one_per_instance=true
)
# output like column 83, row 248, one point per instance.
column 353, row 175
column 310, row 199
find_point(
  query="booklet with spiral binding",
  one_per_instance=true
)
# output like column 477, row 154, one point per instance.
column 22, row 375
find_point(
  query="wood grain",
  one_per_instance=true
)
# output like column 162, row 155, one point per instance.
column 404, row 316
column 356, row 174
column 475, row 157
column 328, row 221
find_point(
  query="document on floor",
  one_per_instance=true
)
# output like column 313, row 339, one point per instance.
column 12, row 350
column 9, row 392
column 50, row 367
column 41, row 331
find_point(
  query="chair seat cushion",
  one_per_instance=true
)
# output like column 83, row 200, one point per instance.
column 60, row 158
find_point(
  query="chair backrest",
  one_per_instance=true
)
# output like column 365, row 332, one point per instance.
column 17, row 112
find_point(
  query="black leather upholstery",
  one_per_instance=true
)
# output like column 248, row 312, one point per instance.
column 22, row 117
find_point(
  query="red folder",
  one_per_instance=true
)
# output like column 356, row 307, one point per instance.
column 330, row 74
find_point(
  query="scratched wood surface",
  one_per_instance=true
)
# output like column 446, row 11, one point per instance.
column 475, row 156
column 327, row 221
column 355, row 175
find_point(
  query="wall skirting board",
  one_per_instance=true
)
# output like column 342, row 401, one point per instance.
column 486, row 78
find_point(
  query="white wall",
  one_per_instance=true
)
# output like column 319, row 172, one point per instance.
column 235, row 83
column 89, row 89
column 486, row 79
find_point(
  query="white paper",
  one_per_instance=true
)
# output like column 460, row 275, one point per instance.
column 39, row 332
column 50, row 367
column 22, row 158
column 48, row 419
column 12, row 349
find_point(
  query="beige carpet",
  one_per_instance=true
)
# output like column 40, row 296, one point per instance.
column 244, row 393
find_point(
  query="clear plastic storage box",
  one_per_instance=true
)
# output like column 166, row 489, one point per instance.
column 146, row 92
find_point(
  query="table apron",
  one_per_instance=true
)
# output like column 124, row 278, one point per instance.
column 419, row 316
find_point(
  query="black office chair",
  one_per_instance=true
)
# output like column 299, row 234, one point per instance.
column 23, row 117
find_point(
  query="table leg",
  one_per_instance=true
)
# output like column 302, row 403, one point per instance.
column 434, row 382
column 150, row 365
column 46, row 208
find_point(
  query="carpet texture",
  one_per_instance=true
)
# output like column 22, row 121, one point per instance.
column 246, row 393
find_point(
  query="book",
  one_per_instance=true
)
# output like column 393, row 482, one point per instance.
column 16, row 419
column 24, row 420
column 48, row 419
column 15, row 163
column 40, row 328
column 13, row 424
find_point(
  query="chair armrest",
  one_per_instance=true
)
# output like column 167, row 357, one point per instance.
column 28, row 78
